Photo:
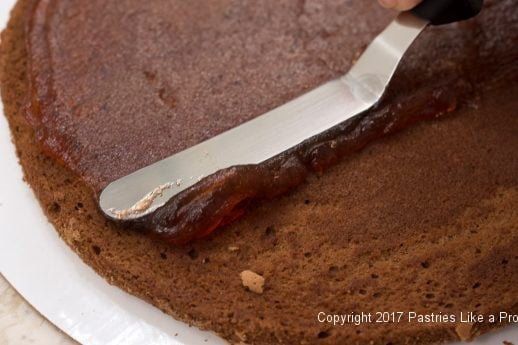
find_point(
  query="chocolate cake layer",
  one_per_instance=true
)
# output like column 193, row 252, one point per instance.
column 424, row 221
column 109, row 99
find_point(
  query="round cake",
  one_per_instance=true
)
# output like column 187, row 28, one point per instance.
column 421, row 221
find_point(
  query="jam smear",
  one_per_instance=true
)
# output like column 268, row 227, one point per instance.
column 223, row 196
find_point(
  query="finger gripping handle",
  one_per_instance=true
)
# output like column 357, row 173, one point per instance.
column 439, row 12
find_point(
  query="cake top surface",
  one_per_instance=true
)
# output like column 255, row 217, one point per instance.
column 116, row 89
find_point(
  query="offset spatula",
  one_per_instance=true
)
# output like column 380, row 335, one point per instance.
column 280, row 129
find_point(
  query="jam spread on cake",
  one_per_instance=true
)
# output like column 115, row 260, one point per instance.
column 116, row 86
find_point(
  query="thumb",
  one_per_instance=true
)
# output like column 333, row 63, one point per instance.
column 399, row 5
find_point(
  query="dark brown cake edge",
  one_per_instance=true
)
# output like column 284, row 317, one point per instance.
column 50, row 181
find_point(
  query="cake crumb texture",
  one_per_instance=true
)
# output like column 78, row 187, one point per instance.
column 253, row 281
column 464, row 331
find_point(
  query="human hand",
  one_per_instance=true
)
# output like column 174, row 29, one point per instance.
column 400, row 5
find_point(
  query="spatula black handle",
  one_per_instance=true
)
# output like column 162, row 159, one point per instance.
column 439, row 12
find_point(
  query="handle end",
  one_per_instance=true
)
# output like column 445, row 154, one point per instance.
column 439, row 12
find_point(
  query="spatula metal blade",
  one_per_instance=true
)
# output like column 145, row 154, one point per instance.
column 268, row 135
